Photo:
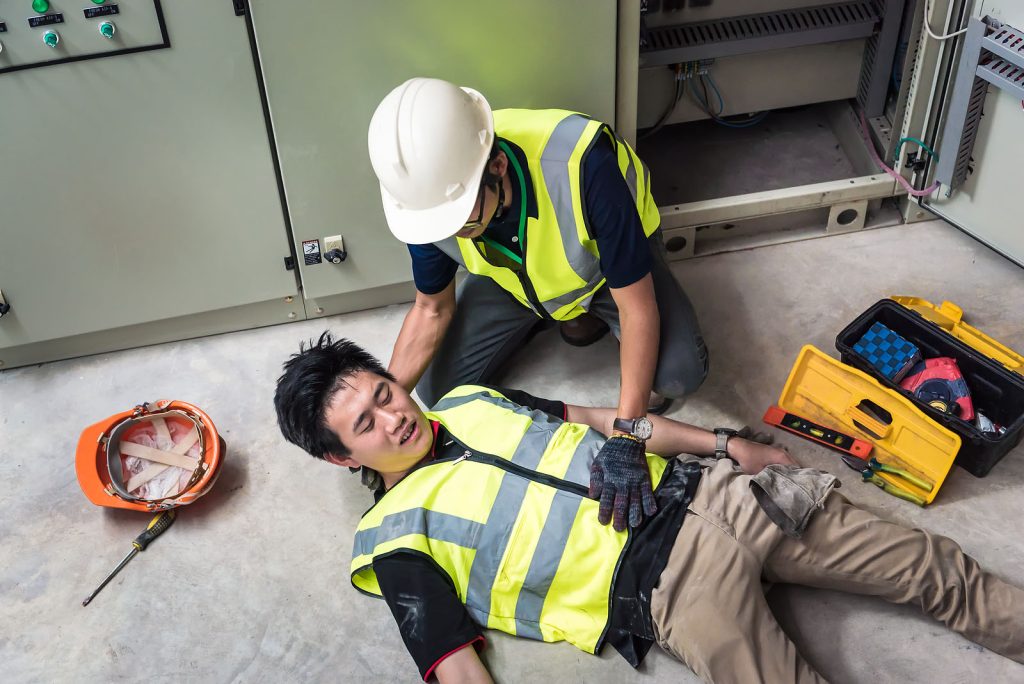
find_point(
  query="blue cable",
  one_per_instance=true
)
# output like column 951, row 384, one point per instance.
column 721, row 107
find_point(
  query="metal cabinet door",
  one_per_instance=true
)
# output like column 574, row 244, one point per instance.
column 988, row 203
column 136, row 189
column 327, row 64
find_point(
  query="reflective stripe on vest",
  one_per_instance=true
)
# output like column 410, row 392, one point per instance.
column 524, row 551
column 562, row 260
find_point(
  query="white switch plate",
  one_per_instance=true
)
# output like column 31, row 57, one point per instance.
column 333, row 242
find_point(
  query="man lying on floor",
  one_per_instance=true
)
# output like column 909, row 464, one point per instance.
column 483, row 519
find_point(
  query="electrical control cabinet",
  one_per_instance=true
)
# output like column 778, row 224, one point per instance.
column 138, row 199
column 327, row 69
column 35, row 33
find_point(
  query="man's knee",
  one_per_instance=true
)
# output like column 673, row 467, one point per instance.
column 427, row 389
column 681, row 372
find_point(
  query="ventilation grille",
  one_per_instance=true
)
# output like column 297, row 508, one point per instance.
column 759, row 32
column 975, row 110
column 1006, row 75
column 1010, row 39
column 867, row 67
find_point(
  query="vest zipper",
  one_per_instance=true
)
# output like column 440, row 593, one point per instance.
column 531, row 294
column 509, row 467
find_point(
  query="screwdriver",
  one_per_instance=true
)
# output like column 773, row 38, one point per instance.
column 156, row 527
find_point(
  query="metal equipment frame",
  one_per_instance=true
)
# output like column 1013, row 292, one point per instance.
column 993, row 53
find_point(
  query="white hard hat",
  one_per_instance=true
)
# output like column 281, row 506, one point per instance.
column 429, row 143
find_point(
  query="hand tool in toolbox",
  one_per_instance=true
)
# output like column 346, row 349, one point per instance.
column 854, row 453
column 157, row 526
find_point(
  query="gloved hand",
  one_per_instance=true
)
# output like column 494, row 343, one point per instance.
column 622, row 481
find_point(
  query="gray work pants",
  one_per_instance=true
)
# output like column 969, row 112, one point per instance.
column 490, row 325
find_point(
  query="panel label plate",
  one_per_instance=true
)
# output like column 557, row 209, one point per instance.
column 104, row 11
column 46, row 20
column 311, row 252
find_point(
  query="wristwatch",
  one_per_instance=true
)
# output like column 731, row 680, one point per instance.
column 722, row 436
column 640, row 428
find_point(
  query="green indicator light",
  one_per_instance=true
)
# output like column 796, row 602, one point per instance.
column 107, row 29
column 98, row 2
column 41, row 6
column 51, row 38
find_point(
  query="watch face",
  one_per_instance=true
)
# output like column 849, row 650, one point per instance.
column 643, row 428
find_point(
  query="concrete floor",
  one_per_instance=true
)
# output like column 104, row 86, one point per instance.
column 251, row 583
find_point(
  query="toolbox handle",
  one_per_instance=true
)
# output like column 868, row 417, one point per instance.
column 874, row 423
column 952, row 312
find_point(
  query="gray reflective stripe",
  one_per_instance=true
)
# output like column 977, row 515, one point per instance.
column 450, row 246
column 439, row 526
column 544, row 564
column 507, row 504
column 536, row 437
column 498, row 531
column 630, row 170
column 586, row 451
column 446, row 403
column 554, row 162
column 553, row 305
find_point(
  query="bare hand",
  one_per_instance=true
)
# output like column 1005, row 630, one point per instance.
column 753, row 457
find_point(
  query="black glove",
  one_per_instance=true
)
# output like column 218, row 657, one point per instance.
column 621, row 479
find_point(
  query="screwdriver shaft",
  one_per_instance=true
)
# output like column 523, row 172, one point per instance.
column 131, row 554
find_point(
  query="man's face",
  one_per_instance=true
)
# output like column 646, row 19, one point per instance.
column 380, row 424
column 486, row 201
column 483, row 211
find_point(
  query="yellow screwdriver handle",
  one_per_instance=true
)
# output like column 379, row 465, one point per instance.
column 156, row 527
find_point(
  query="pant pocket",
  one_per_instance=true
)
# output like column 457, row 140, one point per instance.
column 790, row 495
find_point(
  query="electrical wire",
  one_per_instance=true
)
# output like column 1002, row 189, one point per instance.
column 670, row 110
column 705, row 81
column 928, row 28
column 899, row 147
column 911, row 190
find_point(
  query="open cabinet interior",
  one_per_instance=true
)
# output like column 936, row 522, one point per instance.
column 740, row 99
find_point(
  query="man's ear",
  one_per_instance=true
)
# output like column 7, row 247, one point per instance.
column 499, row 165
column 346, row 461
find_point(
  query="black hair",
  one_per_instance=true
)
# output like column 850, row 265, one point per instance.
column 310, row 380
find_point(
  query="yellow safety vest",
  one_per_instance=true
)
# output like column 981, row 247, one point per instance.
column 509, row 521
column 561, row 269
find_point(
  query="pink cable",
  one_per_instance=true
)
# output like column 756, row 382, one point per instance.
column 899, row 179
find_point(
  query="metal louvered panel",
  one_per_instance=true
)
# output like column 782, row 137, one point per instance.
column 759, row 32
column 866, row 69
column 1006, row 75
column 878, row 58
column 975, row 109
column 996, row 58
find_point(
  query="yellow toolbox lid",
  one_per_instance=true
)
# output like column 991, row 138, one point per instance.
column 949, row 316
column 830, row 393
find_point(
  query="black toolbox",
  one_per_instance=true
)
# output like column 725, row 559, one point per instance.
column 996, row 392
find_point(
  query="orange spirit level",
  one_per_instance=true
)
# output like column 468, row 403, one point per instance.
column 817, row 433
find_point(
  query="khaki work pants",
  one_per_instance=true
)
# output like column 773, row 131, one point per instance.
column 710, row 612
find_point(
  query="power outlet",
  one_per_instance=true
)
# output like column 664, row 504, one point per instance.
column 334, row 242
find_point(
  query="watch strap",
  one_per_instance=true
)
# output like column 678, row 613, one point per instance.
column 624, row 424
column 722, row 436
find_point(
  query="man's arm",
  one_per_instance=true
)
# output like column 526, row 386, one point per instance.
column 671, row 437
column 463, row 667
column 638, row 353
column 421, row 335
column 435, row 626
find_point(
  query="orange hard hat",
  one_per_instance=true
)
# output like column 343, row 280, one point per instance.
column 153, row 457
